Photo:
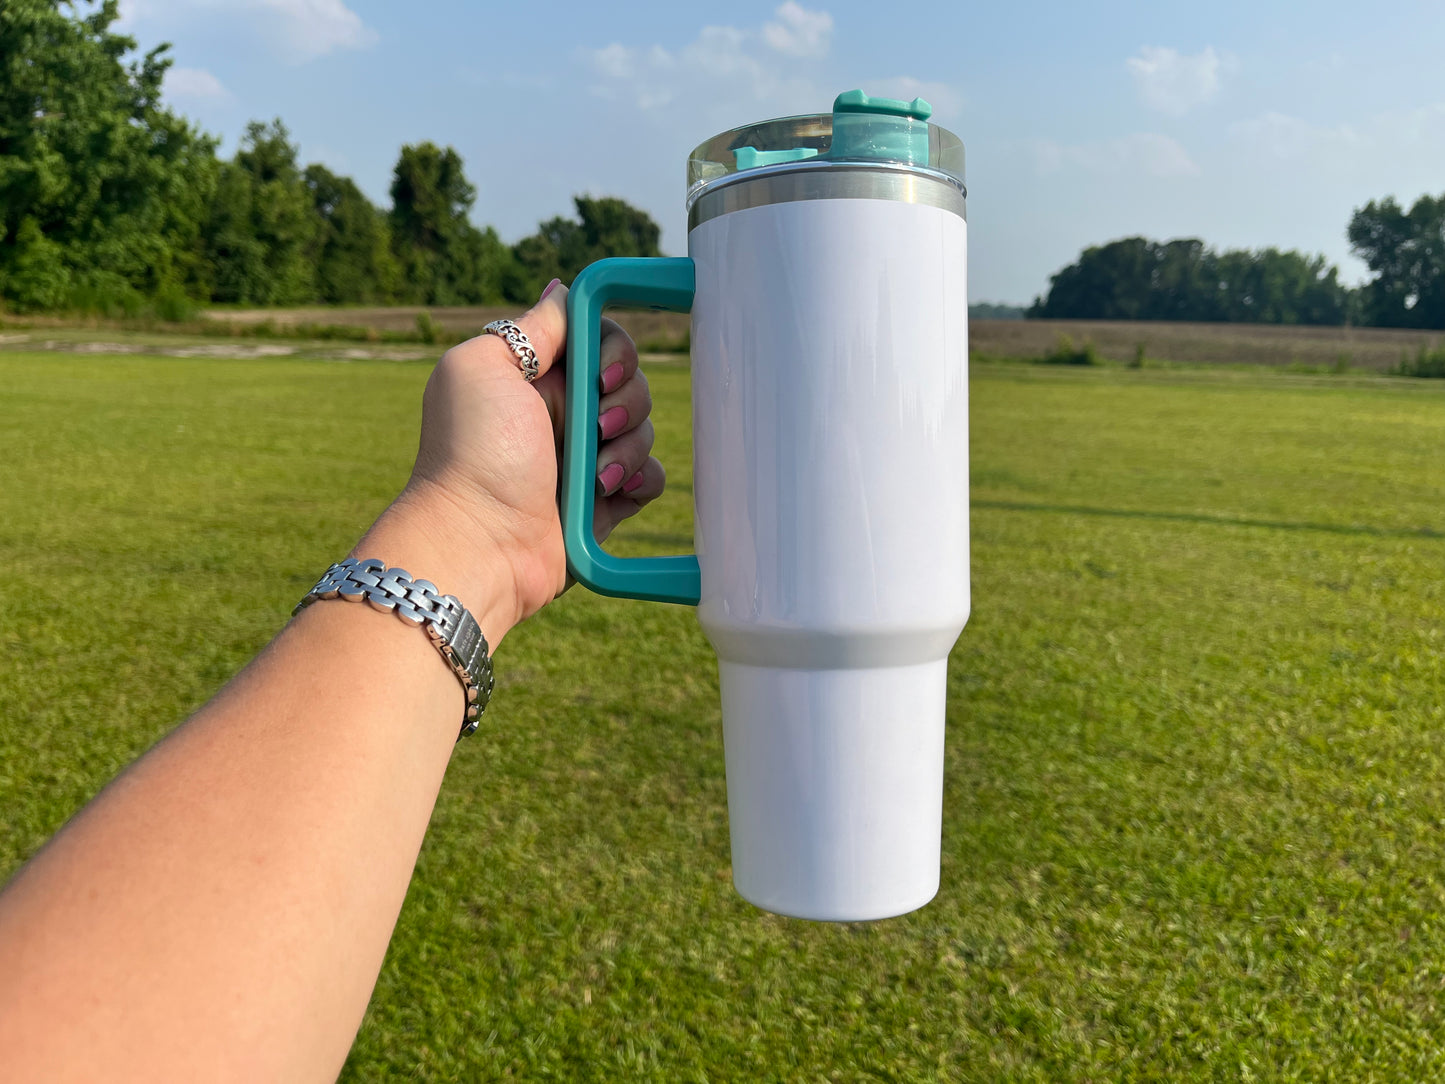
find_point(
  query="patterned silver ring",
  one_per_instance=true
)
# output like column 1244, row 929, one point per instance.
column 520, row 345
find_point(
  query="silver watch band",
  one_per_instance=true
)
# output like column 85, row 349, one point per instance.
column 449, row 624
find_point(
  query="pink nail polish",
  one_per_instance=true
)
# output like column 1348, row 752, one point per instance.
column 612, row 377
column 550, row 287
column 632, row 483
column 609, row 477
column 612, row 422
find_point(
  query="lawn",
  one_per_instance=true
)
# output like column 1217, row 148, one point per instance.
column 1195, row 808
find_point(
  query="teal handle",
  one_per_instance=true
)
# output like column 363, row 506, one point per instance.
column 660, row 283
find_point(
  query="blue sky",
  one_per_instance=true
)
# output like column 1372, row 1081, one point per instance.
column 1245, row 124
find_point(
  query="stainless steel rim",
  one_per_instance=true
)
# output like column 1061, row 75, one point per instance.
column 760, row 188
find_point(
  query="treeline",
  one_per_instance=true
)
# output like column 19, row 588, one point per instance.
column 112, row 203
column 1140, row 279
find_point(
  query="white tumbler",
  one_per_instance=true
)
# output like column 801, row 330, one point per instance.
column 826, row 276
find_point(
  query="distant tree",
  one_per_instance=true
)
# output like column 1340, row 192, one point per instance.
column 537, row 260
column 482, row 266
column 102, row 190
column 990, row 310
column 430, row 196
column 1182, row 282
column 445, row 260
column 610, row 227
column 562, row 247
column 260, row 238
column 1140, row 279
column 33, row 270
column 109, row 201
column 353, row 257
column 1406, row 252
column 1108, row 282
column 1274, row 287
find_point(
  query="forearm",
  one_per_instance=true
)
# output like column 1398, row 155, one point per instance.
column 235, row 890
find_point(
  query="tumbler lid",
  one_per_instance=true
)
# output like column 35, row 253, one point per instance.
column 860, row 131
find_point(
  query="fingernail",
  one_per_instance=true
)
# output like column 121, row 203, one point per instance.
column 609, row 476
column 612, row 422
column 633, row 483
column 550, row 287
column 612, row 376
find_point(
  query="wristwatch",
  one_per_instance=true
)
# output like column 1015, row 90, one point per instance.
column 449, row 624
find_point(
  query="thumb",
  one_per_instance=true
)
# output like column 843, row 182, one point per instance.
column 545, row 325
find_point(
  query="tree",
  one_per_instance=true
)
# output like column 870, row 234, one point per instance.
column 445, row 260
column 610, row 227
column 1406, row 253
column 1274, row 287
column 562, row 247
column 260, row 238
column 353, row 257
column 102, row 191
column 108, row 201
column 1109, row 282
column 430, row 197
column 536, row 259
column 1139, row 279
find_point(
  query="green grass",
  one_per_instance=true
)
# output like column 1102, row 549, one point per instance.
column 1196, row 762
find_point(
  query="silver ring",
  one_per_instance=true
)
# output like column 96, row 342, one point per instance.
column 520, row 345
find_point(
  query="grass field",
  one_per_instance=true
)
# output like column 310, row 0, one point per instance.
column 1195, row 805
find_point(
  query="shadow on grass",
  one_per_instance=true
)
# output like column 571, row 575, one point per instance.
column 1218, row 521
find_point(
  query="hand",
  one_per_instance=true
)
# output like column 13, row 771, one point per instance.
column 491, row 448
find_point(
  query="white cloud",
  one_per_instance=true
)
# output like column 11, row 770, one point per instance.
column 798, row 31
column 729, row 75
column 1284, row 137
column 1398, row 142
column 1424, row 124
column 1174, row 83
column 194, row 84
column 299, row 29
column 1142, row 152
column 718, row 50
column 1158, row 155
column 724, row 69
column 615, row 61
column 317, row 27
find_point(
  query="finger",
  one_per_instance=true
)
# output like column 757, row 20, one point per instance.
column 626, row 408
column 544, row 325
column 617, row 357
column 647, row 484
column 621, row 458
column 617, row 351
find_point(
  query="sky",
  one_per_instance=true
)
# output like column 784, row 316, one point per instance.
column 1244, row 124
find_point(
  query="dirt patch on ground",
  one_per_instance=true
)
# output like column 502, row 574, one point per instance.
column 658, row 330
column 242, row 350
column 1117, row 340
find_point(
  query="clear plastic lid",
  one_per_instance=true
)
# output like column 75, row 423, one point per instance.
column 860, row 130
